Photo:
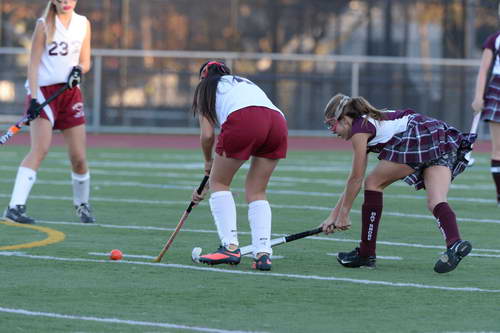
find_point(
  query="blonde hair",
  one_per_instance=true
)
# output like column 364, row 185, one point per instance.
column 355, row 107
column 49, row 15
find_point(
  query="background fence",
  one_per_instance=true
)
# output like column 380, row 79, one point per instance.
column 420, row 54
column 123, row 93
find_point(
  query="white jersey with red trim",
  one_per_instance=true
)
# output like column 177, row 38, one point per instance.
column 60, row 56
column 235, row 93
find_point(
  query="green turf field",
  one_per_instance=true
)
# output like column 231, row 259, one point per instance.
column 138, row 197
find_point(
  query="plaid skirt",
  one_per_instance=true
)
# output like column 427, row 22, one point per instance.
column 427, row 142
column 491, row 110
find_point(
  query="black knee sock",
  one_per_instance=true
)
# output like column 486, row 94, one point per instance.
column 495, row 172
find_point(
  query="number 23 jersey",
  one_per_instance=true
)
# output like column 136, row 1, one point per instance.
column 63, row 53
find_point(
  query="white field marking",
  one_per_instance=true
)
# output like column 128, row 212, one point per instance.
column 133, row 227
column 196, row 157
column 175, row 184
column 180, row 157
column 241, row 190
column 115, row 321
column 275, row 180
column 125, row 255
column 343, row 168
column 471, row 332
column 299, row 207
column 229, row 271
column 326, row 181
column 484, row 255
column 199, row 166
column 342, row 182
column 10, row 154
column 109, row 172
column 378, row 257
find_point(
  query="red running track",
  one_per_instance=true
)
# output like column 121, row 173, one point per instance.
column 192, row 142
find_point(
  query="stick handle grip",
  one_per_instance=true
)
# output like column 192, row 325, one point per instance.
column 15, row 128
column 303, row 234
column 199, row 190
column 475, row 123
column 281, row 240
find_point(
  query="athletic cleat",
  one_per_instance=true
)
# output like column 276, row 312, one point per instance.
column 353, row 259
column 222, row 256
column 450, row 259
column 263, row 263
column 18, row 215
column 84, row 213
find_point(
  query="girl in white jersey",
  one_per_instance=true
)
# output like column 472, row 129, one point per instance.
column 60, row 53
column 425, row 152
column 251, row 126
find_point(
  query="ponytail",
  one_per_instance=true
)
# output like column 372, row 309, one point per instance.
column 205, row 94
column 354, row 107
column 49, row 16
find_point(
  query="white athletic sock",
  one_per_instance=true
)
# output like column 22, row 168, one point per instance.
column 259, row 216
column 25, row 179
column 81, row 188
column 224, row 212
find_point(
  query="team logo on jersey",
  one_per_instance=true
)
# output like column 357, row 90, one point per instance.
column 78, row 108
column 75, row 47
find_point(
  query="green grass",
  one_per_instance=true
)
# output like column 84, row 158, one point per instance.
column 307, row 291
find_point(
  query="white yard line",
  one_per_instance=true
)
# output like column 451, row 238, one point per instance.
column 115, row 321
column 300, row 207
column 325, row 238
column 266, row 274
column 485, row 255
column 137, row 256
column 278, row 180
column 378, row 257
column 241, row 190
column 470, row 332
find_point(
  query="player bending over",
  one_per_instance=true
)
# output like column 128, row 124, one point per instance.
column 425, row 152
column 251, row 126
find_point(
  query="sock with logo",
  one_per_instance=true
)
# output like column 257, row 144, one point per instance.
column 447, row 223
column 371, row 213
column 259, row 216
column 81, row 188
column 25, row 179
column 224, row 212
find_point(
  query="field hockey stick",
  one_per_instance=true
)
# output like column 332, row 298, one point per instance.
column 181, row 222
column 473, row 130
column 195, row 254
column 17, row 126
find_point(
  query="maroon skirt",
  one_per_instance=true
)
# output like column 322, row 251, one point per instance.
column 427, row 139
column 491, row 110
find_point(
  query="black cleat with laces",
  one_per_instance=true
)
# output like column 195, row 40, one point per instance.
column 84, row 213
column 263, row 263
column 450, row 259
column 18, row 215
column 353, row 259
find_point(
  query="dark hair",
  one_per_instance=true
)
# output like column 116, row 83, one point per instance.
column 210, row 74
column 355, row 107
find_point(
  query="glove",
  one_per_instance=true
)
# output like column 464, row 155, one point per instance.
column 33, row 111
column 75, row 77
